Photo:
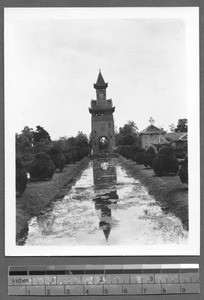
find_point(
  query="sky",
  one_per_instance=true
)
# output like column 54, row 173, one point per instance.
column 52, row 63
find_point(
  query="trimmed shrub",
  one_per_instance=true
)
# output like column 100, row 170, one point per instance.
column 21, row 177
column 127, row 151
column 180, row 154
column 27, row 164
column 121, row 150
column 74, row 154
column 149, row 157
column 139, row 157
column 80, row 152
column 68, row 157
column 183, row 172
column 42, row 167
column 86, row 151
column 41, row 147
column 57, row 157
column 165, row 162
column 134, row 152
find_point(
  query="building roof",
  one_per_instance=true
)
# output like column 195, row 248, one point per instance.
column 183, row 138
column 160, row 140
column 176, row 136
column 100, row 83
column 151, row 129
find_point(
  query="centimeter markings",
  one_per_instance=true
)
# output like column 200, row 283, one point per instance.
column 103, row 279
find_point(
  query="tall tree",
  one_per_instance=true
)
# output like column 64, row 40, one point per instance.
column 24, row 143
column 182, row 125
column 127, row 134
column 172, row 127
column 81, row 140
column 41, row 135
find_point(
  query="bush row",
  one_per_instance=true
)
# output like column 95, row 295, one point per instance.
column 164, row 162
column 43, row 165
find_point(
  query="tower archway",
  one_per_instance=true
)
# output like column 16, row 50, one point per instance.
column 103, row 144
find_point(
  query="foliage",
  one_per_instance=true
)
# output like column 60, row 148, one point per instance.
column 172, row 127
column 41, row 135
column 127, row 134
column 64, row 150
column 68, row 157
column 139, row 157
column 41, row 147
column 24, row 144
column 183, row 172
column 81, row 140
column 182, row 125
column 74, row 154
column 74, row 148
column 30, row 142
column 180, row 154
column 149, row 157
column 57, row 157
column 42, row 167
column 21, row 177
column 165, row 162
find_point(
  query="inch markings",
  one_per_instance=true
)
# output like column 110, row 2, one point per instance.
column 104, row 280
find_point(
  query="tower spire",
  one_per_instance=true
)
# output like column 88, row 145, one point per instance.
column 100, row 83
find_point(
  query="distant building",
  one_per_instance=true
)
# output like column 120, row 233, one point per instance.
column 102, row 122
column 178, row 140
column 160, row 142
column 148, row 136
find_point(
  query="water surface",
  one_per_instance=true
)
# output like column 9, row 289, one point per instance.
column 106, row 206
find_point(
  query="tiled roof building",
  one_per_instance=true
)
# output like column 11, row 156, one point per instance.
column 149, row 135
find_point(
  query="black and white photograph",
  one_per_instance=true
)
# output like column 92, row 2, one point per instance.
column 102, row 131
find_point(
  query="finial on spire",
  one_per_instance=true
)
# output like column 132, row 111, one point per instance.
column 99, row 70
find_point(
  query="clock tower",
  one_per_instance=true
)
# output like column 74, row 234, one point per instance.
column 102, row 122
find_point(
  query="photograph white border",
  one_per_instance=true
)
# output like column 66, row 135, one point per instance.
column 191, row 17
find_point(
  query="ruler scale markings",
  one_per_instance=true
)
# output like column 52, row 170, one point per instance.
column 103, row 279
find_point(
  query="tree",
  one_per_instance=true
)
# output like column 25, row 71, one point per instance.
column 25, row 139
column 41, row 135
column 21, row 177
column 42, row 167
column 149, row 157
column 172, row 127
column 71, row 141
column 183, row 172
column 81, row 140
column 127, row 134
column 139, row 156
column 182, row 125
column 24, row 144
column 57, row 157
column 165, row 162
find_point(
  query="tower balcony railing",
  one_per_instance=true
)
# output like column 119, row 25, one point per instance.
column 97, row 104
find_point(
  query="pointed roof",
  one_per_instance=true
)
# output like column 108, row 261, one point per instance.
column 183, row 138
column 176, row 136
column 160, row 140
column 151, row 129
column 100, row 83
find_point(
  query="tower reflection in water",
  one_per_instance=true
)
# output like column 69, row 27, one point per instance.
column 105, row 178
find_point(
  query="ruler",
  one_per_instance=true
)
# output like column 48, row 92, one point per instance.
column 130, row 279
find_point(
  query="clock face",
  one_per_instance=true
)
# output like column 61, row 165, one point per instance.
column 100, row 95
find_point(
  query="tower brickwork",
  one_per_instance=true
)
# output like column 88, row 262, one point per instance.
column 102, row 122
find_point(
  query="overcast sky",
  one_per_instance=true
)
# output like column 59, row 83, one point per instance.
column 51, row 65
